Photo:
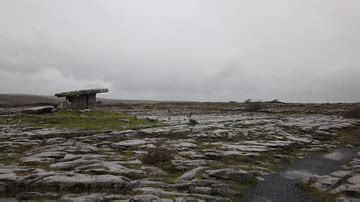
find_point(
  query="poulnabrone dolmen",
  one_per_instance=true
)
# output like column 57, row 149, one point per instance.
column 82, row 99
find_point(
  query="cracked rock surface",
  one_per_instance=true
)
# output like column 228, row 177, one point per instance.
column 218, row 159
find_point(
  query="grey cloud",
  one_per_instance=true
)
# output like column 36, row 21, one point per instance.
column 183, row 50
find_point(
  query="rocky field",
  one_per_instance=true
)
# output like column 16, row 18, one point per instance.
column 176, row 152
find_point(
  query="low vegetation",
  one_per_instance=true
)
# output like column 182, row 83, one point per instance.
column 353, row 113
column 6, row 104
column 253, row 106
column 89, row 121
column 158, row 155
column 2, row 120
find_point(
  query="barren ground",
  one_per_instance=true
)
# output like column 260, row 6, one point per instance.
column 222, row 155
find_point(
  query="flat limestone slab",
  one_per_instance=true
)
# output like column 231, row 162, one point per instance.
column 82, row 92
column 39, row 110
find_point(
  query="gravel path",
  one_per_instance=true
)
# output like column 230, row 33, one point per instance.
column 280, row 186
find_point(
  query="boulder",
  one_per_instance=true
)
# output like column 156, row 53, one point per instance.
column 39, row 110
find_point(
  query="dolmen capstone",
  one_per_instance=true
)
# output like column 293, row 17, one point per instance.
column 82, row 99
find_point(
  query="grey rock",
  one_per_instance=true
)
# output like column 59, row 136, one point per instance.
column 91, row 197
column 354, row 179
column 146, row 183
column 188, row 199
column 325, row 183
column 153, row 171
column 230, row 174
column 80, row 182
column 133, row 143
column 39, row 110
column 111, row 167
column 190, row 174
column 302, row 175
column 158, row 192
column 188, row 164
column 201, row 190
column 122, row 135
column 44, row 157
column 337, row 156
column 183, row 146
column 145, row 198
column 340, row 174
column 68, row 165
column 348, row 190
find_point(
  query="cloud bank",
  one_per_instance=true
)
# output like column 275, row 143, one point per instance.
column 204, row 50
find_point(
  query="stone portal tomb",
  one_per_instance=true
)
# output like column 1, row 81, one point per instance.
column 82, row 99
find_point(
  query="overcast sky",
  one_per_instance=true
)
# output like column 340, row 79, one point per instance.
column 204, row 50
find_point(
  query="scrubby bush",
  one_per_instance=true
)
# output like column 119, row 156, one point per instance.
column 253, row 106
column 247, row 101
column 275, row 101
column 353, row 113
column 158, row 155
column 193, row 122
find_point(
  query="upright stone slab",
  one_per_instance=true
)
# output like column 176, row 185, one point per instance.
column 82, row 99
column 91, row 99
column 78, row 102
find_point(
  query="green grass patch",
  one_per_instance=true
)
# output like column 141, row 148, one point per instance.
column 172, row 177
column 40, row 165
column 2, row 120
column 8, row 159
column 128, row 156
column 207, row 145
column 90, row 121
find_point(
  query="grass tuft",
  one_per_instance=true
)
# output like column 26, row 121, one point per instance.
column 2, row 120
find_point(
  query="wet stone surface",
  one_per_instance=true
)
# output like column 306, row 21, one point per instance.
column 218, row 159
